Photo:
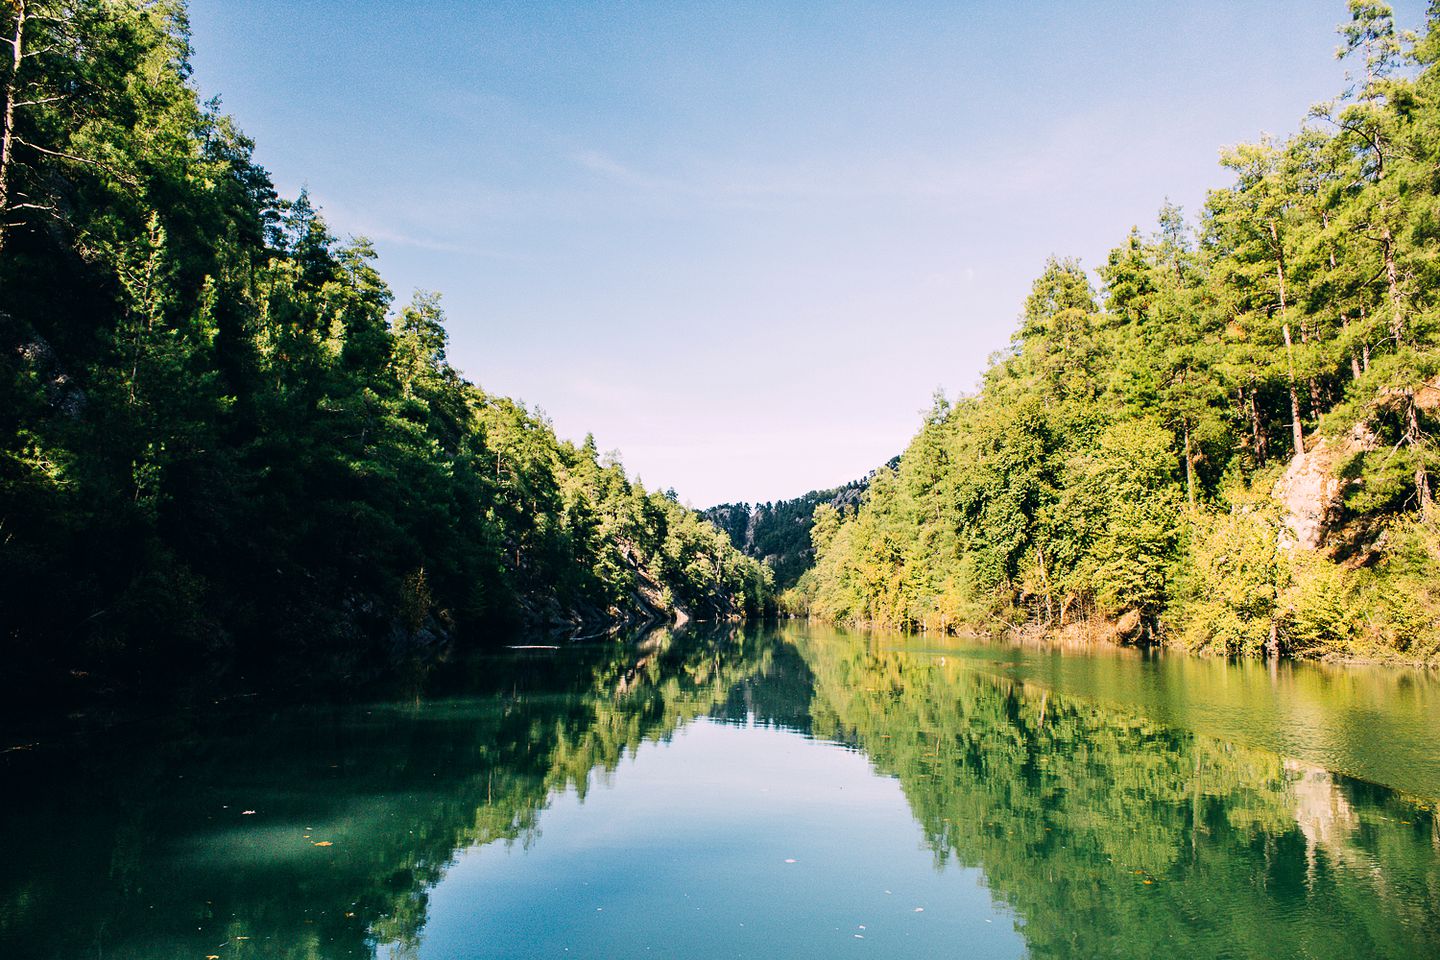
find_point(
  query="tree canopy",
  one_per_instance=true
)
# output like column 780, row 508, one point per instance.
column 223, row 443
column 1229, row 441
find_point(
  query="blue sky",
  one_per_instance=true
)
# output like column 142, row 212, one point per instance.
column 743, row 243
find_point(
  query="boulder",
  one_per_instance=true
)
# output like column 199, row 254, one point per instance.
column 1311, row 491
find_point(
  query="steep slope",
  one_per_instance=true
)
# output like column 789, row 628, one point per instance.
column 1231, row 444
column 778, row 533
column 223, row 447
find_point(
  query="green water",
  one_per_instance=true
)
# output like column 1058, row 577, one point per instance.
column 750, row 793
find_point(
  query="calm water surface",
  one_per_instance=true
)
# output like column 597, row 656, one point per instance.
column 751, row 793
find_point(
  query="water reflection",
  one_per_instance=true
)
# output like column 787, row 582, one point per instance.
column 1112, row 834
column 1116, row 806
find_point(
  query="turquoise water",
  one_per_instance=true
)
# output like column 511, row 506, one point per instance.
column 750, row 793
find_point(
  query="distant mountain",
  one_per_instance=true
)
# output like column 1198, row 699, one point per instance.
column 779, row 532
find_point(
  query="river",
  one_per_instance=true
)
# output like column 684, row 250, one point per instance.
column 748, row 792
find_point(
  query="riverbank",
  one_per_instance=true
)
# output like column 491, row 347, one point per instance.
column 1126, row 633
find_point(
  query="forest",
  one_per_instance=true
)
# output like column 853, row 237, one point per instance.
column 225, row 448
column 778, row 533
column 302, row 629
column 1225, row 440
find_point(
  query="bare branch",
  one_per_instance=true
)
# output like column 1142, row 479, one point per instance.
column 78, row 159
column 57, row 153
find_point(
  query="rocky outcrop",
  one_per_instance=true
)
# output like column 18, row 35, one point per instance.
column 39, row 360
column 778, row 533
column 1311, row 490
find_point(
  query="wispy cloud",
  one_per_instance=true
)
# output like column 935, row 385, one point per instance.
column 957, row 175
column 427, row 243
column 608, row 167
column 378, row 225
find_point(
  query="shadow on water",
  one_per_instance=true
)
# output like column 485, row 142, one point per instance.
column 1119, row 807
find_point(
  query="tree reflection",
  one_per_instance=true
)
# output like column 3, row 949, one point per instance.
column 1106, row 833
column 1110, row 835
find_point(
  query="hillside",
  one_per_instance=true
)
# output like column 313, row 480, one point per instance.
column 1229, row 444
column 226, row 448
column 778, row 533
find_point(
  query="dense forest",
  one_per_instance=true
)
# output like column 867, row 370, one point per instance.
column 224, row 445
column 778, row 533
column 1229, row 442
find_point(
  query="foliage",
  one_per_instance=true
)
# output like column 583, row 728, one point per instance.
column 1230, row 588
column 779, row 533
column 220, row 441
column 1115, row 463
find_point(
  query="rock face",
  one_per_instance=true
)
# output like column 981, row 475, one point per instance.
column 1310, row 493
column 1130, row 627
column 1311, row 490
column 779, row 532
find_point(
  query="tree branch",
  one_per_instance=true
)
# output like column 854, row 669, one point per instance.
column 123, row 177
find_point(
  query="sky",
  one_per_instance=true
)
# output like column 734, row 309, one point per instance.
column 744, row 243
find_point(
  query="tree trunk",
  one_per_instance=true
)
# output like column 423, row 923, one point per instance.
column 1344, row 320
column 1392, row 281
column 7, row 136
column 1045, row 578
column 1311, row 383
column 1257, row 436
column 1413, row 438
column 1297, row 431
column 1189, row 468
column 1354, row 357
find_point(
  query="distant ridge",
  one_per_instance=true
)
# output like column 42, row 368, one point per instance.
column 778, row 533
